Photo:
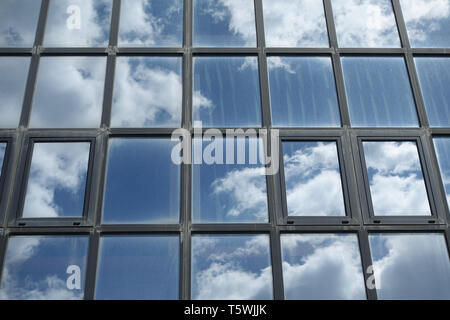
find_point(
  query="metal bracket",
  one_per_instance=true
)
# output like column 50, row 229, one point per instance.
column 37, row 50
column 112, row 50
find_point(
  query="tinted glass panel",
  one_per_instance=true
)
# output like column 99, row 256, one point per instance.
column 322, row 267
column 14, row 71
column 442, row 146
column 302, row 92
column 231, row 267
column 151, row 23
column 57, row 180
column 310, row 168
column 224, row 23
column 18, row 21
column 378, row 92
column 226, row 92
column 434, row 77
column 2, row 155
column 142, row 183
column 396, row 180
column 228, row 190
column 45, row 268
column 147, row 92
column 138, row 267
column 427, row 22
column 69, row 92
column 365, row 23
column 295, row 23
column 410, row 266
column 78, row 23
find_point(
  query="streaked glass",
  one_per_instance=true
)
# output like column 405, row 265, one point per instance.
column 442, row 146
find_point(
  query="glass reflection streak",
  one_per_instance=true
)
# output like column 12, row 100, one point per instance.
column 442, row 146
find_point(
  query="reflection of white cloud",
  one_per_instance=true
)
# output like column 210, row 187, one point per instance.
column 55, row 166
column 310, row 171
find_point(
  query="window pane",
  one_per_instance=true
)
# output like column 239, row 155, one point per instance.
column 151, row 23
column 14, row 71
column 78, row 23
column 310, row 168
column 69, row 92
column 410, row 266
column 378, row 92
column 142, row 183
column 434, row 77
column 295, row 23
column 396, row 180
column 442, row 146
column 2, row 155
column 365, row 23
column 147, row 92
column 427, row 22
column 138, row 267
column 18, row 21
column 228, row 191
column 224, row 23
column 45, row 268
column 303, row 92
column 231, row 267
column 322, row 267
column 57, row 180
column 226, row 92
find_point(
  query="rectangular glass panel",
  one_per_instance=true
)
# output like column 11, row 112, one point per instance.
column 18, row 21
column 226, row 92
column 151, row 23
column 410, row 266
column 45, row 268
column 228, row 190
column 379, row 92
column 396, row 180
column 142, row 183
column 14, row 71
column 442, row 146
column 138, row 267
column 57, row 180
column 148, row 92
column 223, row 23
column 322, row 267
column 434, row 77
column 427, row 22
column 310, row 168
column 231, row 267
column 78, row 23
column 69, row 92
column 295, row 23
column 303, row 92
column 365, row 23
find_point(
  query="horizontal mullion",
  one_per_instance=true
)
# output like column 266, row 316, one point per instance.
column 150, row 51
column 430, row 51
column 16, row 51
column 141, row 131
column 226, row 51
column 371, row 51
column 48, row 231
column 63, row 133
column 139, row 229
column 231, row 228
column 299, row 51
column 74, row 51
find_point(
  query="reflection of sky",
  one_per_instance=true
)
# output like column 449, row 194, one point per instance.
column 147, row 92
column 231, row 193
column 75, row 102
column 138, row 267
column 57, row 180
column 151, row 23
column 14, row 71
column 411, row 266
column 18, row 29
column 427, row 22
column 310, row 168
column 95, row 18
column 365, row 23
column 442, row 146
column 378, row 92
column 396, row 180
column 322, row 267
column 142, row 183
column 224, row 23
column 302, row 92
column 2, row 155
column 226, row 92
column 434, row 77
column 35, row 267
column 231, row 267
column 295, row 23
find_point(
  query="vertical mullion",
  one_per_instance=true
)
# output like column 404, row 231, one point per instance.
column 39, row 38
column 115, row 20
column 401, row 26
column 3, row 245
column 277, row 266
column 366, row 259
column 330, row 24
column 108, row 94
column 91, row 271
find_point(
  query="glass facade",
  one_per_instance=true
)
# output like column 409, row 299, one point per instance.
column 346, row 100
